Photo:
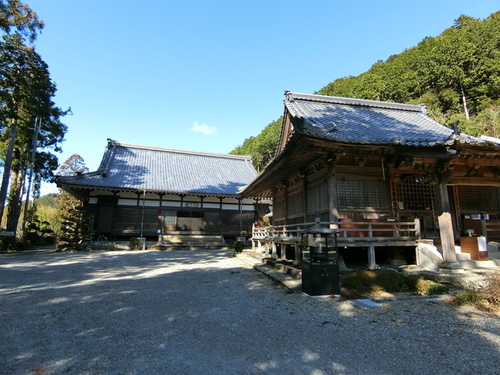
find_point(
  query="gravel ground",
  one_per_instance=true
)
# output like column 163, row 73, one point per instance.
column 206, row 312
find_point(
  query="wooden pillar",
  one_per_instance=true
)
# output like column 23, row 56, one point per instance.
column 285, row 201
column 372, row 263
column 298, row 254
column 333, row 212
column 305, row 204
column 274, row 250
column 445, row 223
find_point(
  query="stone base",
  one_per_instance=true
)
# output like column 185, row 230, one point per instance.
column 448, row 267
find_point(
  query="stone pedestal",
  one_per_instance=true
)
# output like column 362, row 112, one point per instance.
column 448, row 267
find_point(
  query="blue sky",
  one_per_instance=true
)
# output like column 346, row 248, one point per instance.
column 206, row 75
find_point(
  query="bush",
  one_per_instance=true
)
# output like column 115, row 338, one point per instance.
column 133, row 243
column 238, row 246
column 436, row 289
column 426, row 287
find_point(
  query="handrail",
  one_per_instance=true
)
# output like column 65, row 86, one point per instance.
column 492, row 228
column 348, row 230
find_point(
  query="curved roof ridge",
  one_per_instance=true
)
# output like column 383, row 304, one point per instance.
column 138, row 167
column 291, row 96
column 176, row 150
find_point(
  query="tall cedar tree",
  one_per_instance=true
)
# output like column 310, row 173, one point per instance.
column 26, row 94
column 18, row 18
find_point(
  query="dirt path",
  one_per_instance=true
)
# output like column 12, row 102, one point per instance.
column 193, row 312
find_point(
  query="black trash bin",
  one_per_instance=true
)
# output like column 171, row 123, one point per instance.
column 320, row 268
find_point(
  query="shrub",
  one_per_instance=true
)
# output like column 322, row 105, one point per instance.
column 238, row 246
column 426, row 287
column 133, row 243
column 436, row 289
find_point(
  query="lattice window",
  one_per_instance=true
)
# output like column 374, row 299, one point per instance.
column 362, row 194
column 478, row 199
column 414, row 194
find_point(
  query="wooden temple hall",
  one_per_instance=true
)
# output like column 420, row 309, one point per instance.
column 386, row 175
column 175, row 196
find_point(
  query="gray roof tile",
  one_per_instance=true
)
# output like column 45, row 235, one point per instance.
column 367, row 121
column 137, row 167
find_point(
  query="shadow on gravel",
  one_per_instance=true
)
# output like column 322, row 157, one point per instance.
column 204, row 312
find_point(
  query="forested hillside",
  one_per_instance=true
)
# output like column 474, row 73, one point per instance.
column 456, row 74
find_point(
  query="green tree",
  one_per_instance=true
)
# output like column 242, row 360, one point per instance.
column 26, row 93
column 456, row 74
column 18, row 18
column 71, row 210
column 261, row 148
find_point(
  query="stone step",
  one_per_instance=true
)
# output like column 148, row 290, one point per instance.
column 463, row 256
column 494, row 255
column 173, row 239
column 187, row 246
column 253, row 254
column 471, row 264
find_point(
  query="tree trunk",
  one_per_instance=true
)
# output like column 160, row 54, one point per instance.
column 464, row 101
column 7, row 167
column 15, row 198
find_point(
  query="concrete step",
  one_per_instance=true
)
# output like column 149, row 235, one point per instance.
column 253, row 254
column 188, row 246
column 494, row 255
column 463, row 256
column 472, row 264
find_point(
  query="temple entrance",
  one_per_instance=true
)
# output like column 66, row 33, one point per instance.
column 414, row 198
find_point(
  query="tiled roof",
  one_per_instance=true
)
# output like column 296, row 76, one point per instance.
column 137, row 167
column 368, row 121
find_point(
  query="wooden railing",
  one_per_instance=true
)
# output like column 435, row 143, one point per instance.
column 492, row 229
column 348, row 231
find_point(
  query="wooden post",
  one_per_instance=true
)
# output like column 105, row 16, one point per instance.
column 372, row 263
column 298, row 254
column 305, row 204
column 333, row 212
column 484, row 228
column 418, row 230
column 285, row 201
column 445, row 224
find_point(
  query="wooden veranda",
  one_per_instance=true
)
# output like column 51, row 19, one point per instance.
column 286, row 243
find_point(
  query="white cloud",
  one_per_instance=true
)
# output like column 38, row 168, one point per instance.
column 203, row 128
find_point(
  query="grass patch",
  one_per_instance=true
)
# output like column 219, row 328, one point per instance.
column 377, row 281
column 470, row 298
column 486, row 300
